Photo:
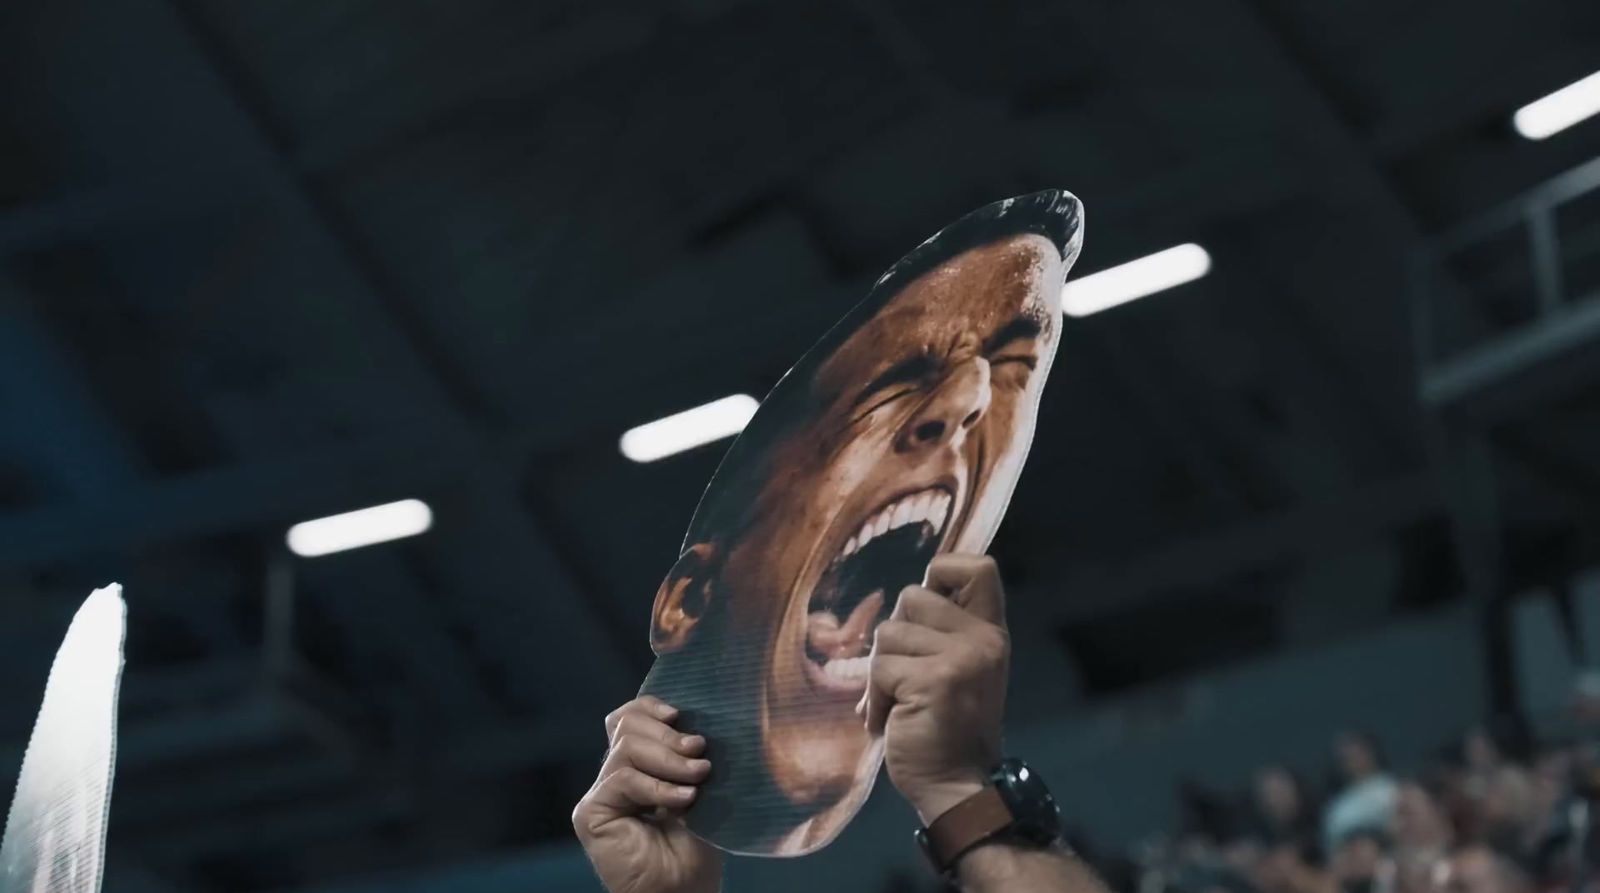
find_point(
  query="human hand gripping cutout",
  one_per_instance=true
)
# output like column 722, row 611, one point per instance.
column 899, row 436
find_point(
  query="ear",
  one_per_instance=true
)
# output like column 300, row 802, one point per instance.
column 683, row 598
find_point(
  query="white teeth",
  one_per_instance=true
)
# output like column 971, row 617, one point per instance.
column 850, row 669
column 930, row 507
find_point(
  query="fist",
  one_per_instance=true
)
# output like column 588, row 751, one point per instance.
column 938, row 683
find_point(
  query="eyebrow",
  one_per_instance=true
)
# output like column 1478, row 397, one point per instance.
column 1024, row 327
column 911, row 369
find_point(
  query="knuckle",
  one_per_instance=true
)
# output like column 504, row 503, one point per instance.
column 627, row 726
column 986, row 569
column 993, row 643
column 667, row 735
column 588, row 815
column 970, row 659
column 946, row 673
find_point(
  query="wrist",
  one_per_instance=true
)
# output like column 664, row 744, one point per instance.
column 934, row 800
column 1005, row 865
column 1011, row 808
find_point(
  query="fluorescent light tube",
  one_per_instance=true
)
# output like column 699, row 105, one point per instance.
column 1135, row 279
column 689, row 429
column 1558, row 111
column 363, row 527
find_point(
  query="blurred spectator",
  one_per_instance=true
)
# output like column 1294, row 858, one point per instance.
column 1551, row 803
column 1208, row 816
column 1479, row 869
column 1285, row 869
column 1361, row 862
column 1488, row 815
column 1586, row 698
column 1503, row 795
column 1283, row 810
column 1422, row 838
column 1420, row 823
column 1243, row 854
column 1365, row 793
column 1211, row 879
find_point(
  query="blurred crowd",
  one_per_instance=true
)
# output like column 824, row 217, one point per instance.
column 1500, row 810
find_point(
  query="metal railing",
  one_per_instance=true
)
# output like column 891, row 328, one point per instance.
column 1559, row 322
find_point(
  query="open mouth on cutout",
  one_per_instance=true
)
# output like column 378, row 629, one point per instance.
column 888, row 551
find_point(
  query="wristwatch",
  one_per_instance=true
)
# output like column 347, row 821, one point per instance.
column 1015, row 806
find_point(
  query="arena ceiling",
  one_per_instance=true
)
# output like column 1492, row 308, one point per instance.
column 259, row 262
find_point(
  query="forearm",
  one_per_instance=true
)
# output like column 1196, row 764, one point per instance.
column 996, row 867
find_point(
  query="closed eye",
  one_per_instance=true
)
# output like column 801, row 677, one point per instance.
column 1014, row 344
column 910, row 371
column 1028, row 360
column 865, row 409
column 1025, row 327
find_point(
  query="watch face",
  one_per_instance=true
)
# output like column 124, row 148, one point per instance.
column 1027, row 796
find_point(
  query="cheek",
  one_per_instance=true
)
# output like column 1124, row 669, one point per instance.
column 1000, row 426
column 854, row 456
column 1004, row 407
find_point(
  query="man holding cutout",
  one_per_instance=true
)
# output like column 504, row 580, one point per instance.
column 936, row 694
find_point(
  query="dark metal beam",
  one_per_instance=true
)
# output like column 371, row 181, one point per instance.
column 119, row 125
column 1294, row 535
column 1173, row 427
column 497, row 566
column 555, row 867
column 1502, row 375
column 126, row 874
column 340, row 795
column 276, row 826
column 124, row 208
column 48, row 414
column 246, row 496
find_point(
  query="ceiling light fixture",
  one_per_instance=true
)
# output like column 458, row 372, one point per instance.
column 362, row 527
column 689, row 429
column 1135, row 279
column 1554, row 113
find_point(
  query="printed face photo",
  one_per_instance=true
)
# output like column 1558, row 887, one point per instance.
column 898, row 437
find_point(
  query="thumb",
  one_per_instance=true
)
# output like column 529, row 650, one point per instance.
column 889, row 675
column 972, row 582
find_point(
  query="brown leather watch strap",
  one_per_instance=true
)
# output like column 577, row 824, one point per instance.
column 967, row 824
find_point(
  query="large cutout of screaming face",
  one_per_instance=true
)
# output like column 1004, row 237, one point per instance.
column 899, row 436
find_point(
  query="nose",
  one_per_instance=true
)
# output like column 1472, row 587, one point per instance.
column 957, row 403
